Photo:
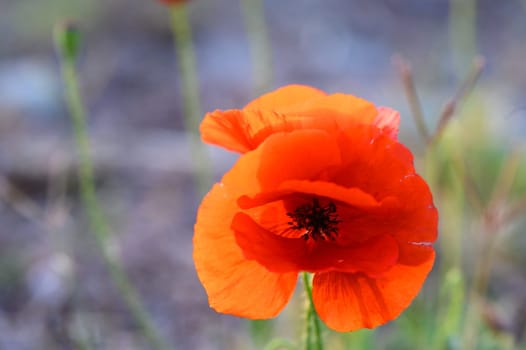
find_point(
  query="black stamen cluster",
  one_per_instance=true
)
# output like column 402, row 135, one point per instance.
column 317, row 221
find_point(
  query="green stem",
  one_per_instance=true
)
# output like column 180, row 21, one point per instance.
column 182, row 35
column 260, row 49
column 479, row 286
column 99, row 226
column 314, row 341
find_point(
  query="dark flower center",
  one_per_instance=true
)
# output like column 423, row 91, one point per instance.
column 318, row 222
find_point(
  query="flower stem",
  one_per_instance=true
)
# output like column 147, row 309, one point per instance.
column 260, row 50
column 479, row 286
column 67, row 46
column 313, row 341
column 184, row 49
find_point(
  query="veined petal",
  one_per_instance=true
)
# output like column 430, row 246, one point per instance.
column 281, row 254
column 226, row 129
column 242, row 130
column 290, row 108
column 234, row 284
column 347, row 301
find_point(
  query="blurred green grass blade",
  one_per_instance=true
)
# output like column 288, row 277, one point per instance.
column 260, row 48
column 187, row 69
column 450, row 308
column 361, row 339
column 67, row 40
column 260, row 331
column 280, row 344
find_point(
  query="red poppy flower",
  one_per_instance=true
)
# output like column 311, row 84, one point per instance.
column 322, row 186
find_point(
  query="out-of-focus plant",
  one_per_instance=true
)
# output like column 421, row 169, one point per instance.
column 67, row 40
column 186, row 63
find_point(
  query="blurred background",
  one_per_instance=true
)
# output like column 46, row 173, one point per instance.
column 55, row 291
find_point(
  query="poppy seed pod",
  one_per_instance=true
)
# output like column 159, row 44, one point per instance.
column 322, row 185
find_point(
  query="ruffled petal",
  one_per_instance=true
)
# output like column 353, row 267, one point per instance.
column 234, row 284
column 280, row 254
column 371, row 160
column 347, row 302
column 226, row 129
column 383, row 168
column 388, row 120
column 242, row 131
column 284, row 110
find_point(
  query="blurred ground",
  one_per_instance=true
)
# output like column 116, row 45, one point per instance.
column 53, row 287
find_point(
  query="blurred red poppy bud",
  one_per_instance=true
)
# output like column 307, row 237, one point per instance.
column 172, row 2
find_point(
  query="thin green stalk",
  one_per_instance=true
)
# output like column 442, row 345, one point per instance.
column 260, row 49
column 479, row 286
column 184, row 49
column 67, row 47
column 313, row 326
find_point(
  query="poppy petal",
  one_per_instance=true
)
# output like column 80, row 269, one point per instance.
column 234, row 284
column 242, row 131
column 410, row 216
column 388, row 120
column 225, row 129
column 285, row 99
column 280, row 254
column 347, row 108
column 417, row 218
column 350, row 196
column 290, row 108
column 347, row 302
column 413, row 253
column 306, row 101
column 372, row 160
column 302, row 154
